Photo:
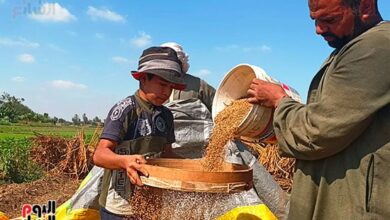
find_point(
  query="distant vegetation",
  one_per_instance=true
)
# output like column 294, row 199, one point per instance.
column 20, row 130
column 12, row 110
column 20, row 126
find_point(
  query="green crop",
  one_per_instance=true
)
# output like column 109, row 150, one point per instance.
column 15, row 165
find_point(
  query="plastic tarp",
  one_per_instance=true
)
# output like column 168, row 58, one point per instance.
column 266, row 200
column 84, row 204
column 193, row 125
column 266, row 188
column 255, row 212
column 3, row 216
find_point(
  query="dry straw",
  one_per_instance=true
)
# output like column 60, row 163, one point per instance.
column 281, row 168
column 72, row 157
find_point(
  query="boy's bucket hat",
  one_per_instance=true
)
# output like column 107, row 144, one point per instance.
column 163, row 62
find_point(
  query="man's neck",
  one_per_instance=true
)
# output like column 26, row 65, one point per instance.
column 375, row 21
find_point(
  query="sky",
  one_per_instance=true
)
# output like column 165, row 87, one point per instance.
column 74, row 57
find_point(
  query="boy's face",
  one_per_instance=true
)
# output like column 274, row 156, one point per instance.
column 156, row 90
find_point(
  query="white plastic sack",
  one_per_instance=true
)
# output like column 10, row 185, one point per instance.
column 193, row 125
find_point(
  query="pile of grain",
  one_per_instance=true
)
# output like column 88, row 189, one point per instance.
column 146, row 203
column 149, row 203
column 225, row 128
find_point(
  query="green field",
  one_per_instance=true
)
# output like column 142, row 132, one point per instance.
column 15, row 143
column 30, row 130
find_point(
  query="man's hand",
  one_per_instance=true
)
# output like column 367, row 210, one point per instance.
column 265, row 93
column 134, row 164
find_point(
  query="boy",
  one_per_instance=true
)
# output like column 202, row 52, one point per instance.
column 137, row 126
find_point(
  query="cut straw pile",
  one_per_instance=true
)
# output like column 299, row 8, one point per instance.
column 72, row 157
column 281, row 168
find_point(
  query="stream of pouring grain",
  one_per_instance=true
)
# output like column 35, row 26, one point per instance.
column 225, row 127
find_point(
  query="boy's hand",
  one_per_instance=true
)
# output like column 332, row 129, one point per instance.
column 133, row 165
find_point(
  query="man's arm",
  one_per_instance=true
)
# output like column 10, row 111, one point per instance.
column 352, row 92
column 106, row 158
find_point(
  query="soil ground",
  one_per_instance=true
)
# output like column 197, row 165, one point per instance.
column 52, row 187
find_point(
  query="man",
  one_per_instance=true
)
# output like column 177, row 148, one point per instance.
column 138, row 125
column 191, row 110
column 196, row 87
column 341, row 137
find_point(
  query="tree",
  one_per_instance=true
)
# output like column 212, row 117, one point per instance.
column 61, row 120
column 46, row 118
column 12, row 107
column 96, row 121
column 76, row 119
column 55, row 120
column 85, row 119
column 30, row 116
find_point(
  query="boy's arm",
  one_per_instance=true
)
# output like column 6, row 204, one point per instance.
column 105, row 157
